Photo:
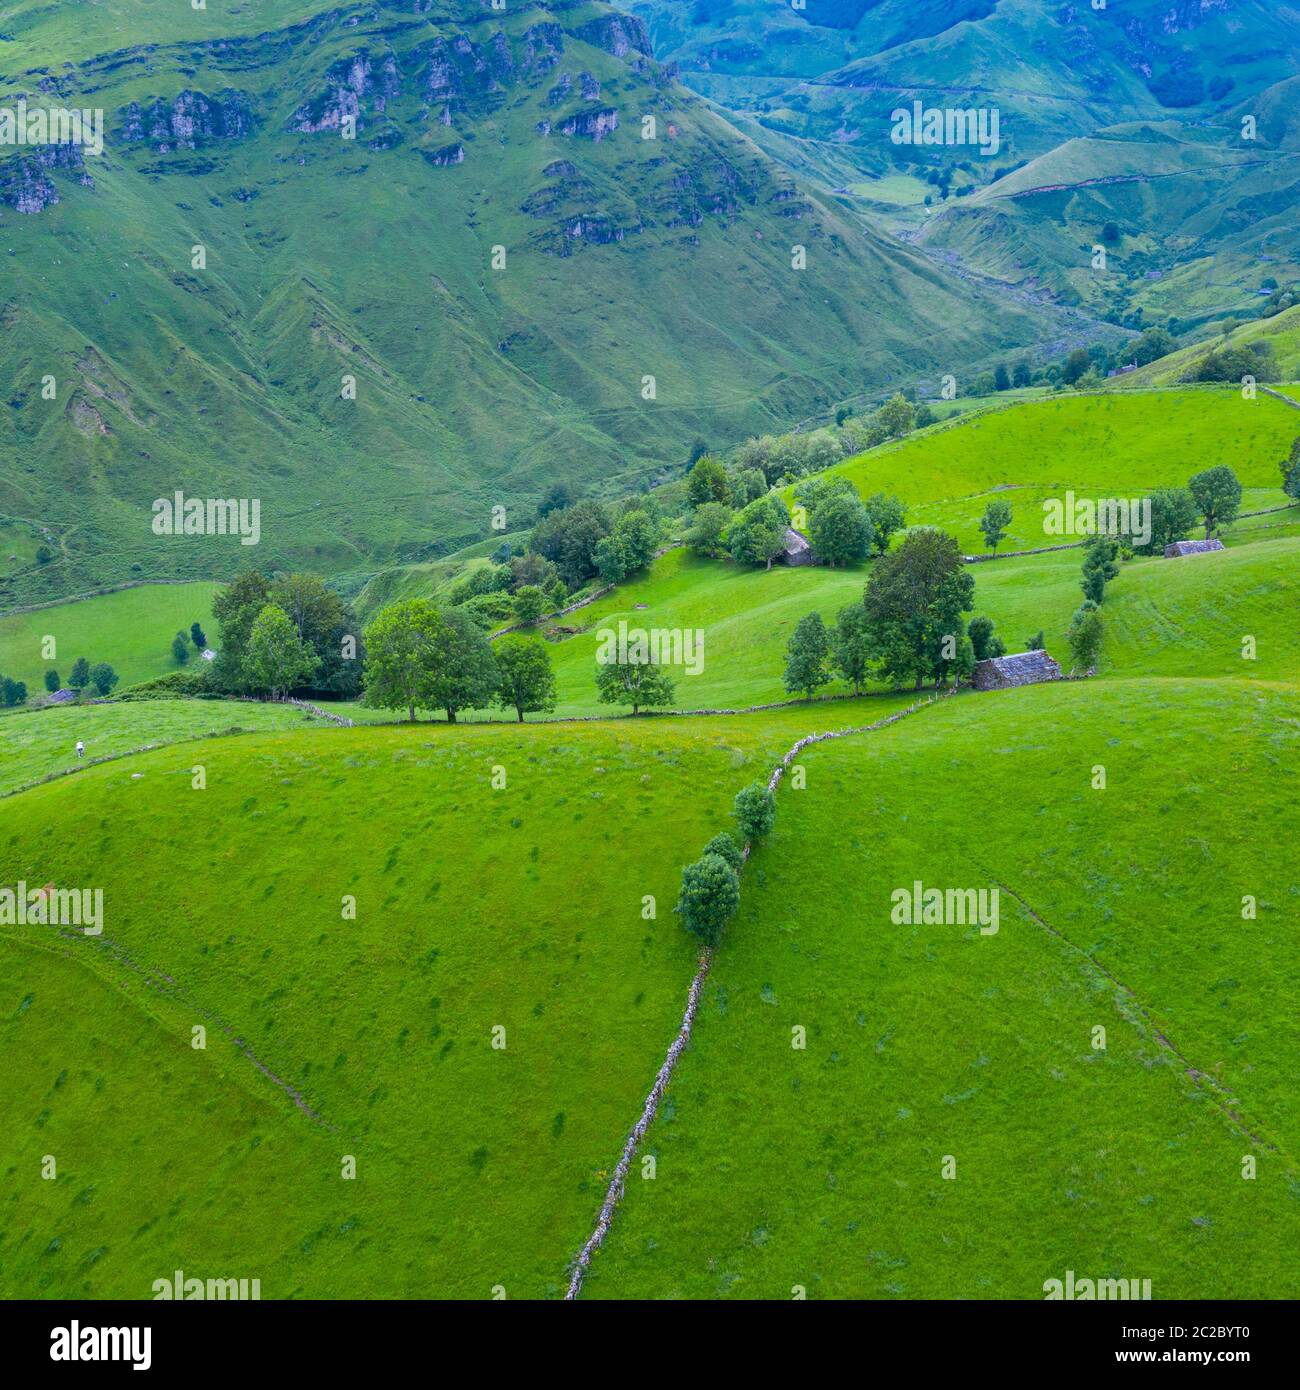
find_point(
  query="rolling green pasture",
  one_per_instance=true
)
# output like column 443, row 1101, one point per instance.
column 519, row 907
column 132, row 630
column 1103, row 445
column 1163, row 616
column 44, row 742
column 820, row 1168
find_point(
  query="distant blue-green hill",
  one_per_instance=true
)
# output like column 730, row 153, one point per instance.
column 499, row 282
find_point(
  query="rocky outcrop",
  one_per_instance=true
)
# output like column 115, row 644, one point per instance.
column 188, row 121
column 25, row 183
column 352, row 86
column 541, row 47
column 590, row 125
column 617, row 34
column 445, row 157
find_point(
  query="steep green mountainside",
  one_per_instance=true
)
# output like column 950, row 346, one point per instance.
column 482, row 139
column 1130, row 113
column 1203, row 218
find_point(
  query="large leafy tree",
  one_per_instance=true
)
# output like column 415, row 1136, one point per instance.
column 756, row 533
column 710, row 895
column 236, row 608
column 994, row 523
column 915, row 597
column 328, row 627
column 851, row 646
column 463, row 672
column 400, row 654
column 277, row 659
column 807, row 657
column 1218, row 496
column 526, row 680
column 569, row 537
column 1100, row 566
column 896, row 417
column 1173, row 514
column 1291, row 470
column 705, row 535
column 708, row 482
column 841, row 529
column 888, row 515
column 635, row 683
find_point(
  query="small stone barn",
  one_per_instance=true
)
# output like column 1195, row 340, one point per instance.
column 1191, row 548
column 795, row 549
column 1005, row 672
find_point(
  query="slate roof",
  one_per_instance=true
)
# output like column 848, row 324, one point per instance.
column 1024, row 668
column 1191, row 548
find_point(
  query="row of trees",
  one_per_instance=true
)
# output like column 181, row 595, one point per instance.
column 101, row 678
column 710, row 892
column 420, row 656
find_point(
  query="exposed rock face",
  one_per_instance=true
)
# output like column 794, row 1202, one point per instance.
column 590, row 87
column 448, row 155
column 189, row 121
column 619, row 34
column 560, row 92
column 591, row 125
column 25, row 184
column 351, row 85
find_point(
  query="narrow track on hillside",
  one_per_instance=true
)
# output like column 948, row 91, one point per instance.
column 614, row 1192
column 1203, row 1081
column 162, row 984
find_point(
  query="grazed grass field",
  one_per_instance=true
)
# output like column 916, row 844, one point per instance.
column 1104, row 445
column 1167, row 616
column 821, row 1167
column 476, row 907
column 37, row 744
column 132, row 630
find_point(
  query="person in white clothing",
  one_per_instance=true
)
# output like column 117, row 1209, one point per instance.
column 81, row 749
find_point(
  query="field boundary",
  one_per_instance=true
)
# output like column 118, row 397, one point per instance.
column 650, row 1108
column 1206, row 1084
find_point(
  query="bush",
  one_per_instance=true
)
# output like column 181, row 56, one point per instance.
column 710, row 896
column 755, row 808
column 725, row 847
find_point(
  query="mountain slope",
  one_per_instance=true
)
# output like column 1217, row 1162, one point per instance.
column 479, row 137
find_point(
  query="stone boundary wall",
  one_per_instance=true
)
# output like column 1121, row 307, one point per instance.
column 617, row 1183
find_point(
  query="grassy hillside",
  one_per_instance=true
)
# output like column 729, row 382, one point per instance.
column 476, row 383
column 1282, row 332
column 44, row 743
column 1175, row 617
column 475, row 1166
column 1203, row 219
column 131, row 629
column 822, row 1167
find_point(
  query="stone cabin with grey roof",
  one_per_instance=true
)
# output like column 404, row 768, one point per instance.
column 1192, row 548
column 1007, row 672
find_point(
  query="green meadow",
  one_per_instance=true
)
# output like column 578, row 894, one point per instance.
column 476, row 908
column 821, row 1167
column 438, row 967
column 132, row 630
column 44, row 743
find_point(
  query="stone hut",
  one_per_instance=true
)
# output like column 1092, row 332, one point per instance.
column 795, row 549
column 1024, row 668
column 1192, row 548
